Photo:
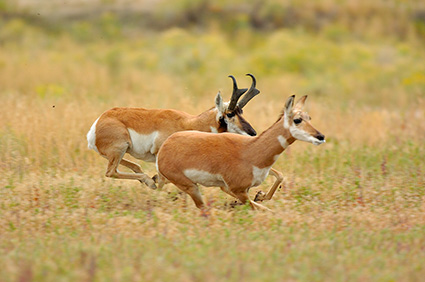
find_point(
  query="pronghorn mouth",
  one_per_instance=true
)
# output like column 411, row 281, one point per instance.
column 318, row 142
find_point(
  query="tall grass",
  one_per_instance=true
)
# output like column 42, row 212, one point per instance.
column 351, row 209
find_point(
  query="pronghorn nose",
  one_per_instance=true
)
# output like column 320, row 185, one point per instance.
column 320, row 137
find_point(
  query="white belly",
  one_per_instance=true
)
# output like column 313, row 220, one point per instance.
column 258, row 175
column 205, row 178
column 144, row 145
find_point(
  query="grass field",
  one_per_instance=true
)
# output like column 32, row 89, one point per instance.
column 352, row 209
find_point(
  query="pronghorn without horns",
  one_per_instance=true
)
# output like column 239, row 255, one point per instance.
column 140, row 132
column 235, row 163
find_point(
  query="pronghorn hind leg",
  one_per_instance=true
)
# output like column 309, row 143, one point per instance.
column 137, row 169
column 261, row 196
column 193, row 191
column 131, row 165
column 112, row 170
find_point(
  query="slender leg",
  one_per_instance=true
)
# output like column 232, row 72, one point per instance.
column 261, row 196
column 131, row 165
column 117, row 145
column 137, row 169
column 161, row 180
column 112, row 170
column 227, row 191
column 243, row 197
column 194, row 193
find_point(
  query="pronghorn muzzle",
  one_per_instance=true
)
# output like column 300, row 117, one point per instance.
column 320, row 137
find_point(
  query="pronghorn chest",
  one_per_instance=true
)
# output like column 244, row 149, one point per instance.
column 258, row 175
column 144, row 146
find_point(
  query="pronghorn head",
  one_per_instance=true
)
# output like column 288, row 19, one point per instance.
column 229, row 115
column 298, row 122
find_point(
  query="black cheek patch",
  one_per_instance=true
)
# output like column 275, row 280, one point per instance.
column 223, row 125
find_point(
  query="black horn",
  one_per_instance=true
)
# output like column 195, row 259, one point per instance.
column 237, row 93
column 251, row 93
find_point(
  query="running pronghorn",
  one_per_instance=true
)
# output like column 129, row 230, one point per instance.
column 140, row 132
column 235, row 163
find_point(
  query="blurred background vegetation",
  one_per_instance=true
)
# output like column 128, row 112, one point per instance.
column 358, row 48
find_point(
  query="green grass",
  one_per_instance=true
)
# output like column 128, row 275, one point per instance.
column 232, row 257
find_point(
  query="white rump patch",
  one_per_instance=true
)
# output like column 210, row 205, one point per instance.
column 144, row 145
column 205, row 178
column 91, row 137
column 258, row 175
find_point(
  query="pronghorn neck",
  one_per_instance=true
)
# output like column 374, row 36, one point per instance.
column 206, row 121
column 267, row 147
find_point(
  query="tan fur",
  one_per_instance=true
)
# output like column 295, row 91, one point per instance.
column 229, row 155
column 113, row 140
column 113, row 124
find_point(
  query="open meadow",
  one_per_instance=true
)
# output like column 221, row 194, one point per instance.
column 352, row 209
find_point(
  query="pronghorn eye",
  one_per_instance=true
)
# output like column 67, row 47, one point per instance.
column 297, row 121
column 230, row 115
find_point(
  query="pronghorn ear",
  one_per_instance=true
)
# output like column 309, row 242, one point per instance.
column 288, row 106
column 300, row 103
column 219, row 104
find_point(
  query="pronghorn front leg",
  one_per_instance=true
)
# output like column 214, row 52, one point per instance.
column 161, row 180
column 261, row 196
column 244, row 198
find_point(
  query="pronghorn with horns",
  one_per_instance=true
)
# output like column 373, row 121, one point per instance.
column 235, row 163
column 140, row 132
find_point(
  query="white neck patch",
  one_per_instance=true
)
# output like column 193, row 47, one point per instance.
column 258, row 175
column 283, row 142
